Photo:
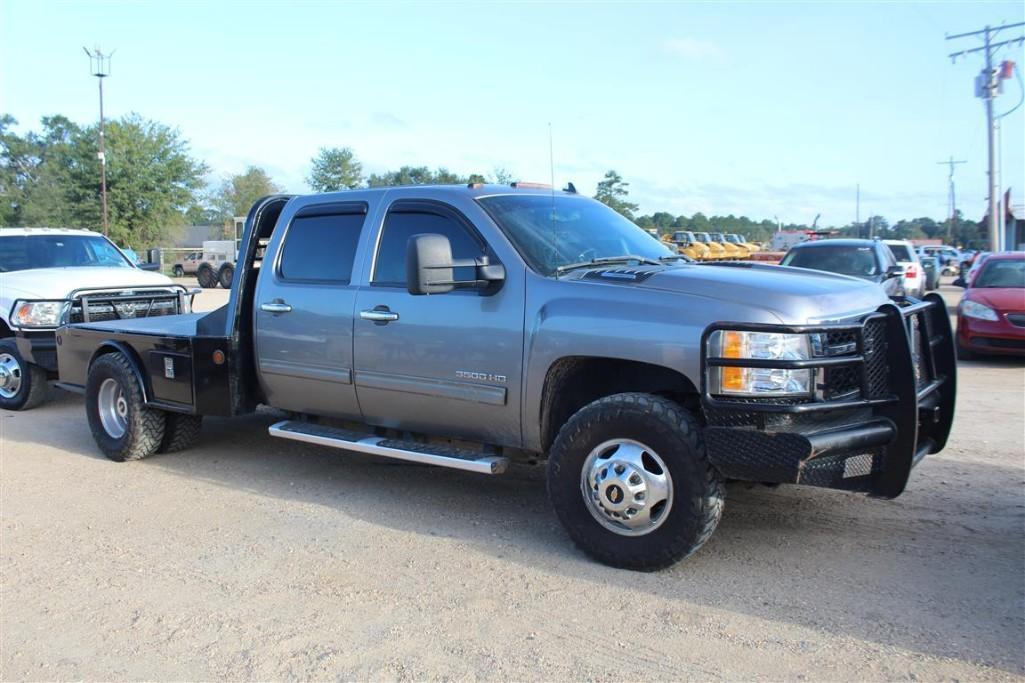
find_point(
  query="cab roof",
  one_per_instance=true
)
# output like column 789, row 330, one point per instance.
column 17, row 232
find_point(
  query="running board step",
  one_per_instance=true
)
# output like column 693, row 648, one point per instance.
column 428, row 454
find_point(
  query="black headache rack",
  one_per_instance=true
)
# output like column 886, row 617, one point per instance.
column 99, row 305
column 884, row 390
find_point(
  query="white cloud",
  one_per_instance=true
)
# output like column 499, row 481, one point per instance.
column 691, row 48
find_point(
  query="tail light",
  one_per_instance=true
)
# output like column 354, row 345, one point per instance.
column 911, row 273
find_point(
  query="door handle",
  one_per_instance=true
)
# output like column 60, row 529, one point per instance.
column 379, row 314
column 276, row 307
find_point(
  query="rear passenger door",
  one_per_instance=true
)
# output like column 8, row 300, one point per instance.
column 304, row 312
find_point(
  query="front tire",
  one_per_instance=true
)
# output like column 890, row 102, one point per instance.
column 629, row 479
column 123, row 427
column 178, row 271
column 23, row 386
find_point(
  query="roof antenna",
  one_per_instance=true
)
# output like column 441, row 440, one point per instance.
column 551, row 167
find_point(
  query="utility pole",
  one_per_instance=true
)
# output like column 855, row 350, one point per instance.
column 857, row 207
column 99, row 66
column 987, row 86
column 951, row 197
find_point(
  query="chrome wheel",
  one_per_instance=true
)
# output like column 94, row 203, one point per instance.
column 113, row 408
column 10, row 375
column 626, row 487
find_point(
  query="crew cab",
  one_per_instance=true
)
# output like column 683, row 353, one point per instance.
column 472, row 326
column 50, row 277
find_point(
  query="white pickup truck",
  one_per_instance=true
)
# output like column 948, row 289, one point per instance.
column 51, row 277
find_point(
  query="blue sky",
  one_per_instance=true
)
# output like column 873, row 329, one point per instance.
column 760, row 109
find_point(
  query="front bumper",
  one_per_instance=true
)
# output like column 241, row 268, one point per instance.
column 38, row 348
column 991, row 336
column 878, row 411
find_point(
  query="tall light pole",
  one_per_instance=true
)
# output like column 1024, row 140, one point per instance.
column 99, row 66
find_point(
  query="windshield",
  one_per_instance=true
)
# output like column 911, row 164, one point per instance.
column 856, row 261
column 27, row 252
column 900, row 252
column 1001, row 273
column 556, row 231
column 683, row 236
column 702, row 237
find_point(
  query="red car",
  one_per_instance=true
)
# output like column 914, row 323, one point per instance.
column 991, row 315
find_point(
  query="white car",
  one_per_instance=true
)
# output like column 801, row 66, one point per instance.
column 50, row 277
column 911, row 266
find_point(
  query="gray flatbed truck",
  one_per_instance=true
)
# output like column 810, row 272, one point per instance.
column 467, row 326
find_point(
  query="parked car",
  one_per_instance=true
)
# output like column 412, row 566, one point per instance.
column 50, row 277
column 950, row 257
column 865, row 259
column 188, row 264
column 467, row 326
column 991, row 314
column 931, row 268
column 913, row 272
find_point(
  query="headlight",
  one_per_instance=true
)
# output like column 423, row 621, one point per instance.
column 37, row 313
column 767, row 382
column 973, row 309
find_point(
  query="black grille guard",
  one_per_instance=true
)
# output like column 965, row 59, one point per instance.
column 911, row 415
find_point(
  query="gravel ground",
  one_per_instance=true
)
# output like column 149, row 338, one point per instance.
column 252, row 558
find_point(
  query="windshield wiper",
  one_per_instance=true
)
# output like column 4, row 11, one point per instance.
column 605, row 260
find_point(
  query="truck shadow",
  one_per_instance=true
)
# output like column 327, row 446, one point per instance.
column 910, row 574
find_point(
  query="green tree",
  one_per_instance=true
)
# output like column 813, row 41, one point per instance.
column 612, row 191
column 34, row 180
column 53, row 177
column 238, row 193
column 417, row 175
column 501, row 176
column 335, row 168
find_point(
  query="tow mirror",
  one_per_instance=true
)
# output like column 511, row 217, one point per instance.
column 894, row 271
column 430, row 268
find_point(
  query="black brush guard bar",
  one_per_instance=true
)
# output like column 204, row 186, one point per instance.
column 910, row 419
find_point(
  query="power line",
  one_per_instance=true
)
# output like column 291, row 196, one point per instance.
column 99, row 66
column 987, row 86
column 951, row 196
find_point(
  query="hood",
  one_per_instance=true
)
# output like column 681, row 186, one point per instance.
column 794, row 295
column 998, row 298
column 58, row 283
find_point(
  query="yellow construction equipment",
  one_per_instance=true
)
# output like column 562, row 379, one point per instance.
column 687, row 245
column 717, row 252
column 741, row 241
column 734, row 252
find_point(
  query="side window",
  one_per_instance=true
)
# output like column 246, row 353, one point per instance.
column 399, row 226
column 321, row 248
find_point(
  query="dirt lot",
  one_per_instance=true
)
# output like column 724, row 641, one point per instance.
column 252, row 558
